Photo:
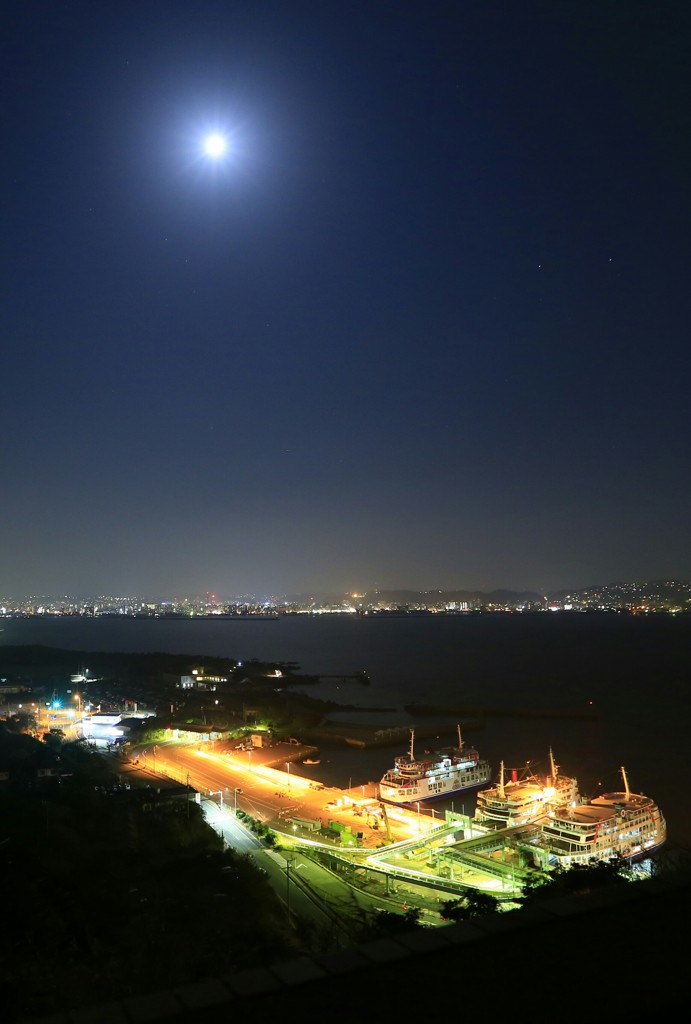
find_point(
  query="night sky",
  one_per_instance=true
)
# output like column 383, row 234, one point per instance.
column 424, row 324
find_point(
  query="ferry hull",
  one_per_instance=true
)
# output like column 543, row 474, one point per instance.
column 435, row 775
column 614, row 825
column 410, row 796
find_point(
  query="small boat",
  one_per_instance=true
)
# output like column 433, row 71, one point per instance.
column 312, row 760
column 525, row 798
column 437, row 774
column 620, row 824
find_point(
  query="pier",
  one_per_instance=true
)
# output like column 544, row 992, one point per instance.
column 352, row 677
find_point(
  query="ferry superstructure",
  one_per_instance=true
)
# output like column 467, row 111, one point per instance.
column 521, row 801
column 434, row 775
column 620, row 824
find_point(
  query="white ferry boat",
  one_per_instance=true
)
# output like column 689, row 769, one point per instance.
column 622, row 824
column 524, row 799
column 436, row 774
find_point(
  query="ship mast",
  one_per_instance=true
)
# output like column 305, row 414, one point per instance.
column 412, row 740
column 501, row 781
column 554, row 767
column 626, row 782
column 460, row 741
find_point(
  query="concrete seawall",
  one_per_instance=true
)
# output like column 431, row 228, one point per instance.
column 369, row 736
column 470, row 719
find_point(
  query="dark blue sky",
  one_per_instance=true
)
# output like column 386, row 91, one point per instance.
column 426, row 325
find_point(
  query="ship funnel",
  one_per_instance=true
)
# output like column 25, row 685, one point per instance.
column 514, row 775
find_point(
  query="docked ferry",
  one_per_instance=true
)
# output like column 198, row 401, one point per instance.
column 620, row 824
column 524, row 798
column 442, row 773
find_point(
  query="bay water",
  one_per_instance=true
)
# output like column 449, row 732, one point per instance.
column 632, row 672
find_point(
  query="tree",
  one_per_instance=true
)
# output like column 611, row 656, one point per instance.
column 22, row 721
column 473, row 904
column 577, row 879
column 385, row 923
column 167, row 876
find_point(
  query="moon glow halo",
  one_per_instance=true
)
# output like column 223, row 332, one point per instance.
column 215, row 145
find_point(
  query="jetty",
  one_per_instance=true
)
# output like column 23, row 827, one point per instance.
column 347, row 677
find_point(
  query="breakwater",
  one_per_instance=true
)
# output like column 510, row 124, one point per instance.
column 427, row 710
column 369, row 736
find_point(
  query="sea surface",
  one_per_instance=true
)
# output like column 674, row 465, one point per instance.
column 633, row 672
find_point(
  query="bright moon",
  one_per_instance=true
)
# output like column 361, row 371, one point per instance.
column 215, row 146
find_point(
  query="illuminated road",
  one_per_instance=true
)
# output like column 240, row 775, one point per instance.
column 399, row 849
column 275, row 795
column 308, row 890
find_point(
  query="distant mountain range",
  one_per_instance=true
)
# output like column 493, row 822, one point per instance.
column 432, row 597
column 416, row 597
column 666, row 593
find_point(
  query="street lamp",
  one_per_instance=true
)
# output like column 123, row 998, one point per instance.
column 235, row 807
column 289, row 862
column 78, row 699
